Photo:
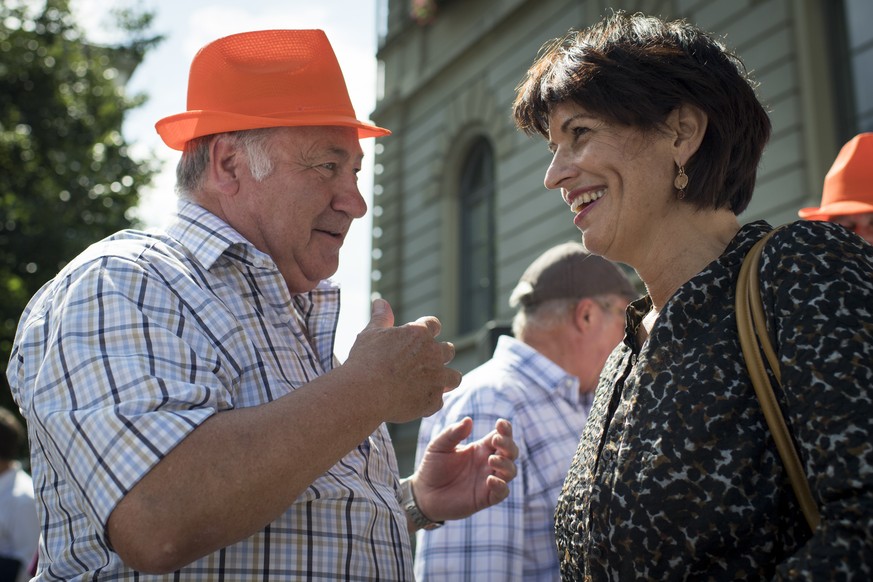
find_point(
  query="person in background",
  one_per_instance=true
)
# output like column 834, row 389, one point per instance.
column 656, row 134
column 847, row 196
column 19, row 527
column 189, row 418
column 570, row 316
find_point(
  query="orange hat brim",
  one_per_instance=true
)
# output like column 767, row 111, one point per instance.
column 177, row 130
column 838, row 208
column 848, row 185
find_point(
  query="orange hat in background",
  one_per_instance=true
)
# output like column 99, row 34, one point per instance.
column 848, row 186
column 268, row 78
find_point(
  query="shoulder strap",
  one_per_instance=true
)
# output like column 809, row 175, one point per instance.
column 751, row 321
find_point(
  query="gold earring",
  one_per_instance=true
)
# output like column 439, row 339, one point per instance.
column 681, row 182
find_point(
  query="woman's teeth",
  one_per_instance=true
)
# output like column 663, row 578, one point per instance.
column 586, row 198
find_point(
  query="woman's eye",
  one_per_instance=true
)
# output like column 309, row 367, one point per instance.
column 579, row 131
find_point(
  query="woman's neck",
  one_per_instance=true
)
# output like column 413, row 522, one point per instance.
column 682, row 253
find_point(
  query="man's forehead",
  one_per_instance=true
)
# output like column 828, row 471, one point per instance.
column 323, row 139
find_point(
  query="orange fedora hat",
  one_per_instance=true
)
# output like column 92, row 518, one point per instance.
column 848, row 185
column 268, row 78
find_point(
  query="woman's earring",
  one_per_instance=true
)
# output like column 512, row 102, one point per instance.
column 681, row 182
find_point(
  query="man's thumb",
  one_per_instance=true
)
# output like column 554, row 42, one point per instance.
column 452, row 436
column 381, row 314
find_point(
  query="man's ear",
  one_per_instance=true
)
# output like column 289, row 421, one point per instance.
column 583, row 313
column 688, row 124
column 225, row 165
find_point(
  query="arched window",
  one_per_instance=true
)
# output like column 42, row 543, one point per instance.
column 476, row 208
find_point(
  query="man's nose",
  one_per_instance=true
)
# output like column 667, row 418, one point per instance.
column 351, row 201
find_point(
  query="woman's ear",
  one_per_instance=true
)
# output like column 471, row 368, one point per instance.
column 688, row 123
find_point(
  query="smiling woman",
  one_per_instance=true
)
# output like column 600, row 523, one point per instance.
column 656, row 135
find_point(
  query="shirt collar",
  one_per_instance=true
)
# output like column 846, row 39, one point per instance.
column 207, row 237
column 537, row 369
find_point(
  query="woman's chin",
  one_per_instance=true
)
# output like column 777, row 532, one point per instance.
column 592, row 242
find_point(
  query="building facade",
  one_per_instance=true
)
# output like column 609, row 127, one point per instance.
column 459, row 205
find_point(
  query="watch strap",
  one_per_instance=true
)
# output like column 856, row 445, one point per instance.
column 410, row 506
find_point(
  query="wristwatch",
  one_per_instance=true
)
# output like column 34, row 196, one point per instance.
column 407, row 501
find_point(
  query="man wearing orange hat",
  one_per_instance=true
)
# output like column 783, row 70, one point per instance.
column 187, row 416
column 847, row 197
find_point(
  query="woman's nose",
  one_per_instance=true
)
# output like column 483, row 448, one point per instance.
column 559, row 170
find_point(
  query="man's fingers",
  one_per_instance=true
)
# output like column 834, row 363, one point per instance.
column 448, row 351
column 498, row 490
column 502, row 439
column 502, row 467
column 431, row 323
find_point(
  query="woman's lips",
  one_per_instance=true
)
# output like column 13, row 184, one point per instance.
column 583, row 202
column 580, row 201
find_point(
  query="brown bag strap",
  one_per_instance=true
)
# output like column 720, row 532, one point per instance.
column 751, row 321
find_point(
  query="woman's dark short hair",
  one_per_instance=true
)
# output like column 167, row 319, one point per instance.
column 633, row 70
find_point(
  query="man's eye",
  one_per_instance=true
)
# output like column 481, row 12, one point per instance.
column 329, row 165
column 580, row 131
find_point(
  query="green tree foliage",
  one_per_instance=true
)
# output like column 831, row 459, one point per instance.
column 66, row 175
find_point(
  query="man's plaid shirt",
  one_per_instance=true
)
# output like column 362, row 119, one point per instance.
column 137, row 342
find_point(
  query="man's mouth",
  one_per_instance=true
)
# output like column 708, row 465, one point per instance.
column 582, row 200
column 337, row 234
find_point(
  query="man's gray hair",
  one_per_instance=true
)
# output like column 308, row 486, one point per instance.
column 543, row 316
column 195, row 159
